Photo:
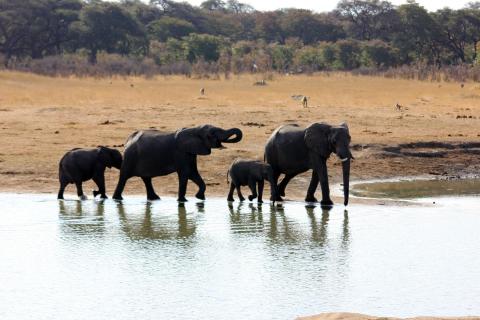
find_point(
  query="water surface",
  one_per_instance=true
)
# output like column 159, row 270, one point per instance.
column 141, row 260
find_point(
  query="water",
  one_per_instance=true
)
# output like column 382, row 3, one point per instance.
column 139, row 260
column 407, row 189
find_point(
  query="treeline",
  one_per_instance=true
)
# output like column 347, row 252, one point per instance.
column 223, row 37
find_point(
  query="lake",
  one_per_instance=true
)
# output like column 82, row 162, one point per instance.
column 211, row 260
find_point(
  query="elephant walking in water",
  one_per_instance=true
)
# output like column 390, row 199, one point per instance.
column 153, row 153
column 292, row 150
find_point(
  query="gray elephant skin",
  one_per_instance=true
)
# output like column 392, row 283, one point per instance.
column 250, row 173
column 292, row 150
column 79, row 165
column 153, row 153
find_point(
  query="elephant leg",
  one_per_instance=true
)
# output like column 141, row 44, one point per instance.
column 323, row 176
column 182, row 187
column 197, row 179
column 283, row 184
column 276, row 175
column 260, row 191
column 80, row 194
column 230, row 193
column 151, row 195
column 252, row 184
column 122, row 180
column 312, row 188
column 100, row 182
column 63, row 185
column 239, row 192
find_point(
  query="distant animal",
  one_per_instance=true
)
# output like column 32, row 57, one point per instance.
column 292, row 150
column 398, row 107
column 202, row 91
column 260, row 83
column 305, row 101
column 153, row 153
column 462, row 85
column 79, row 165
column 131, row 85
column 250, row 173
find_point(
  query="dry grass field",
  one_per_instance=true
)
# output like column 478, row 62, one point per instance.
column 41, row 118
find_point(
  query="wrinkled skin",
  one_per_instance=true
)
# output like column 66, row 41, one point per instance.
column 153, row 153
column 292, row 150
column 250, row 173
column 79, row 165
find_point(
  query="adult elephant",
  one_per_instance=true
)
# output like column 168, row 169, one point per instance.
column 153, row 153
column 293, row 150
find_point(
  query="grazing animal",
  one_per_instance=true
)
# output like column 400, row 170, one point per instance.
column 153, row 153
column 462, row 85
column 292, row 150
column 79, row 165
column 305, row 101
column 202, row 91
column 398, row 107
column 250, row 172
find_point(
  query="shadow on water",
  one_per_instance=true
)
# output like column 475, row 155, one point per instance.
column 152, row 225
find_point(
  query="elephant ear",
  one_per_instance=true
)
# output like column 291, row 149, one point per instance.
column 105, row 156
column 190, row 141
column 317, row 139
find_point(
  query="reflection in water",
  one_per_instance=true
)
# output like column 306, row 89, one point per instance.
column 157, row 226
column 81, row 218
column 417, row 188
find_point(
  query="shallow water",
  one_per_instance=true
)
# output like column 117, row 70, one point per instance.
column 408, row 189
column 139, row 260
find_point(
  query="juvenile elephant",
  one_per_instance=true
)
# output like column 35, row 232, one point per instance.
column 79, row 165
column 293, row 150
column 153, row 153
column 251, row 173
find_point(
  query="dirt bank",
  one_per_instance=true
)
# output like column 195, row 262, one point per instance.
column 356, row 316
column 41, row 118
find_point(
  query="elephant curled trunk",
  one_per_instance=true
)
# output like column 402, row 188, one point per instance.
column 346, row 180
column 226, row 135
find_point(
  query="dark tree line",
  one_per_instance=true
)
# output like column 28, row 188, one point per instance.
column 233, row 36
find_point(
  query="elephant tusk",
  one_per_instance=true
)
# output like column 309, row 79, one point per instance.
column 343, row 160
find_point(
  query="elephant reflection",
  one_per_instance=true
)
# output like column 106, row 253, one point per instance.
column 81, row 218
column 147, row 226
column 241, row 222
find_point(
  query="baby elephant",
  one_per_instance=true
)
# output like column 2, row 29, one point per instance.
column 250, row 172
column 79, row 165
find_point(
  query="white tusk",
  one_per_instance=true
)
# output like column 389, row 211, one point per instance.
column 343, row 160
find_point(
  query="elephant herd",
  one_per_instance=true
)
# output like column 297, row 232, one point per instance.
column 290, row 150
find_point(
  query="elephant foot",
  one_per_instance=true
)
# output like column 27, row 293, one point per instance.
column 95, row 193
column 276, row 199
column 200, row 196
column 282, row 193
column 103, row 196
column 326, row 203
column 310, row 199
column 83, row 197
column 117, row 197
column 242, row 199
column 260, row 201
column 182, row 199
column 230, row 199
column 153, row 197
column 251, row 197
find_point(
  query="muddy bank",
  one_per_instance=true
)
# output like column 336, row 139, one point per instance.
column 356, row 316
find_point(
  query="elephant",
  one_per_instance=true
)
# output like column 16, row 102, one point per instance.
column 250, row 172
column 79, row 165
column 292, row 150
column 153, row 153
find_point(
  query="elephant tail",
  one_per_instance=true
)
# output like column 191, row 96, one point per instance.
column 228, row 173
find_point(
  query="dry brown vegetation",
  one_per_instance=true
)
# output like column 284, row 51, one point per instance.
column 41, row 118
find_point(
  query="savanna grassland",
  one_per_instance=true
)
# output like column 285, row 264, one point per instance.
column 41, row 118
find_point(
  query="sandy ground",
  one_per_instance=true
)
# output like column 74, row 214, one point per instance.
column 41, row 118
column 355, row 316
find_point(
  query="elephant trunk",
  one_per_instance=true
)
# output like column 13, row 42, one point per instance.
column 226, row 135
column 346, row 180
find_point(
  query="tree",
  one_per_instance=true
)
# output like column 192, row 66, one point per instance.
column 169, row 27
column 107, row 26
column 203, row 46
column 213, row 5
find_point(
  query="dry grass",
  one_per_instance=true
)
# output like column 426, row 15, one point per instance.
column 41, row 118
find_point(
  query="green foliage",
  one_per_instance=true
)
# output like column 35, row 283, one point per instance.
column 169, row 27
column 203, row 47
column 377, row 54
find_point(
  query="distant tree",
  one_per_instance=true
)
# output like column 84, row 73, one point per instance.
column 237, row 7
column 169, row 27
column 107, row 26
column 377, row 54
column 347, row 54
column 203, row 46
column 214, row 5
column 267, row 26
